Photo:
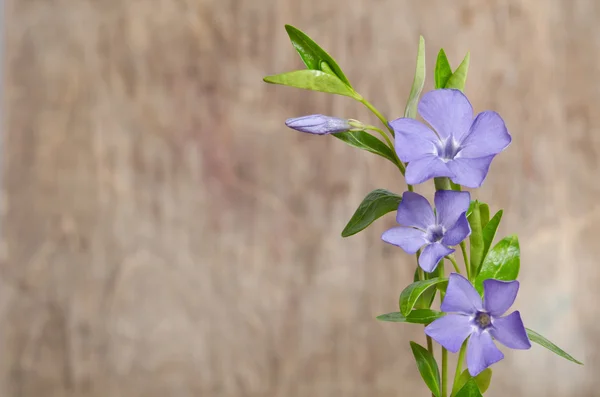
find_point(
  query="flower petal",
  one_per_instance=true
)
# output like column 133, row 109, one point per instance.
column 407, row 238
column 449, row 205
column 488, row 136
column 425, row 168
column 431, row 255
column 510, row 331
column 449, row 112
column 413, row 139
column 415, row 211
column 461, row 296
column 481, row 352
column 469, row 172
column 498, row 296
column 457, row 233
column 450, row 331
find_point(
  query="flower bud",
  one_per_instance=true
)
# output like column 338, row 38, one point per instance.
column 318, row 124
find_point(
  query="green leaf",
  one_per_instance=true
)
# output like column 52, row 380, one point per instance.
column 470, row 389
column 377, row 203
column 482, row 380
column 540, row 340
column 313, row 55
column 443, row 71
column 411, row 294
column 314, row 80
column 418, row 82
column 476, row 238
column 472, row 205
column 418, row 316
column 364, row 140
column 501, row 263
column 489, row 232
column 459, row 77
column 428, row 367
column 426, row 300
column 484, row 214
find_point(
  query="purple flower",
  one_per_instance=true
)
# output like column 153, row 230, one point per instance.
column 318, row 124
column 458, row 147
column 437, row 232
column 480, row 321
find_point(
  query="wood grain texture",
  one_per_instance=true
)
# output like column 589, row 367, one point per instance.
column 163, row 233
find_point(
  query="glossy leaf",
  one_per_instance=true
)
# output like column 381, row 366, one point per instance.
column 312, row 54
column 540, row 340
column 443, row 71
column 376, row 204
column 411, row 294
column 364, row 140
column 470, row 389
column 501, row 263
column 459, row 77
column 426, row 300
column 314, row 80
column 418, row 82
column 482, row 380
column 428, row 367
column 417, row 316
column 489, row 232
column 475, row 239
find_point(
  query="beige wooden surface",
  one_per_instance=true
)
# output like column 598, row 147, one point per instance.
column 164, row 234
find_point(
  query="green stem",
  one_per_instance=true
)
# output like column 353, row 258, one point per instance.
column 378, row 114
column 442, row 184
column 384, row 135
column 463, row 248
column 399, row 162
column 444, row 351
column 459, row 362
column 421, row 275
column 451, row 258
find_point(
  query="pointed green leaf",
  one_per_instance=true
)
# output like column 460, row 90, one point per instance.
column 476, row 238
column 426, row 300
column 540, row 340
column 484, row 214
column 459, row 77
column 489, row 232
column 313, row 55
column 443, row 71
column 314, row 80
column 470, row 389
column 418, row 82
column 482, row 380
column 472, row 205
column 377, row 203
column 417, row 316
column 428, row 367
column 501, row 263
column 364, row 140
column 411, row 294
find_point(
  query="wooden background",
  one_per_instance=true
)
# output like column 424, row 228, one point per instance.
column 164, row 234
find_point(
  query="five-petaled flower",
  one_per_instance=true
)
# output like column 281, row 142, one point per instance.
column 480, row 321
column 436, row 231
column 318, row 124
column 458, row 147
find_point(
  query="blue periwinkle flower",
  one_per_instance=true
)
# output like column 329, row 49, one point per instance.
column 318, row 124
column 458, row 147
column 437, row 232
column 480, row 321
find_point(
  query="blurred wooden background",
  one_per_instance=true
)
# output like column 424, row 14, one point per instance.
column 164, row 234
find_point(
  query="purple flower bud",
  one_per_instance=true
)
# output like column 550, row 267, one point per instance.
column 318, row 124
